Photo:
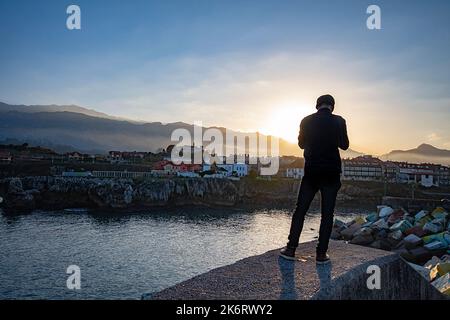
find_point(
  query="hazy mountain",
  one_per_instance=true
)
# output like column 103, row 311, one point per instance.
column 68, row 128
column 54, row 108
column 423, row 153
column 73, row 127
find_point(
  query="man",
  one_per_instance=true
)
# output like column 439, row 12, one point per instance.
column 321, row 134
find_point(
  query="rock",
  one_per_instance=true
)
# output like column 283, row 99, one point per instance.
column 358, row 220
column 362, row 239
column 380, row 234
column 421, row 222
column 372, row 217
column 348, row 233
column 335, row 234
column 367, row 224
column 412, row 241
column 433, row 228
column 424, row 272
column 416, row 230
column 439, row 212
column 396, row 216
column 339, row 223
column 419, row 255
column 363, row 231
column 443, row 284
column 430, row 264
column 380, row 225
column 443, row 237
column 385, row 211
column 421, row 214
column 396, row 235
column 402, row 225
column 435, row 245
column 440, row 269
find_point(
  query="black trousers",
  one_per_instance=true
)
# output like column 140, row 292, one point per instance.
column 328, row 185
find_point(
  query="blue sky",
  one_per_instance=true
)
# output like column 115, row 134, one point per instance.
column 247, row 65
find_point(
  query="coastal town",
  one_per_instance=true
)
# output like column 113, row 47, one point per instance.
column 38, row 161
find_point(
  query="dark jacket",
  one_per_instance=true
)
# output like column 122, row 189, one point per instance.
column 321, row 134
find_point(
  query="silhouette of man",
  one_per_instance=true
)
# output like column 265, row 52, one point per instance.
column 321, row 135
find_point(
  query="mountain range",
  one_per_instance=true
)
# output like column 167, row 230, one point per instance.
column 69, row 128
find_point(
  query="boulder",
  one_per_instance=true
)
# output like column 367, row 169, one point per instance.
column 416, row 230
column 433, row 228
column 439, row 212
column 430, row 264
column 421, row 214
column 412, row 241
column 440, row 269
column 395, row 235
column 435, row 245
column 396, row 216
column 380, row 234
column 372, row 217
column 362, row 239
column 443, row 237
column 380, row 225
column 339, row 223
column 348, row 233
column 335, row 234
column 402, row 225
column 419, row 255
column 443, row 284
column 385, row 211
column 359, row 220
column 421, row 222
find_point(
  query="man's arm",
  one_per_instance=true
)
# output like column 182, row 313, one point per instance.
column 343, row 137
column 301, row 136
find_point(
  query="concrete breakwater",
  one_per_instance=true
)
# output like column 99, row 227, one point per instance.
column 54, row 193
column 268, row 277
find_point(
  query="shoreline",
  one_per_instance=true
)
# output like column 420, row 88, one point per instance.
column 124, row 195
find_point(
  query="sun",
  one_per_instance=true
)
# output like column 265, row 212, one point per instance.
column 284, row 120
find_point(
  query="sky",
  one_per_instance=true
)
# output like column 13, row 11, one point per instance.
column 249, row 65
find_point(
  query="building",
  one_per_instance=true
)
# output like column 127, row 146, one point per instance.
column 295, row 169
column 425, row 174
column 126, row 157
column 227, row 170
column 122, row 174
column 362, row 168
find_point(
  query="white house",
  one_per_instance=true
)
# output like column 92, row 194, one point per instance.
column 228, row 170
column 295, row 173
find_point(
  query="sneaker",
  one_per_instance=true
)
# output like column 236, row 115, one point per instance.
column 288, row 253
column 322, row 258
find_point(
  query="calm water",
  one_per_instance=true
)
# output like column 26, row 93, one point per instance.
column 124, row 256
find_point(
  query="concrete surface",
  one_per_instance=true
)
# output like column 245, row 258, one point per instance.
column 268, row 277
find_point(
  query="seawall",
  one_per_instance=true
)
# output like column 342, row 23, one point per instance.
column 268, row 277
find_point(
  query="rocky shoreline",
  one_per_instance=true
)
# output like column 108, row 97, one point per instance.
column 422, row 238
column 56, row 193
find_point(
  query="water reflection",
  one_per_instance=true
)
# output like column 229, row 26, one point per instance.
column 324, row 274
column 288, row 287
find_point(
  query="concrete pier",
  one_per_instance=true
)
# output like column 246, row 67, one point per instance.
column 268, row 277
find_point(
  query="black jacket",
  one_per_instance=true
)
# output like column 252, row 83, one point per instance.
column 321, row 134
